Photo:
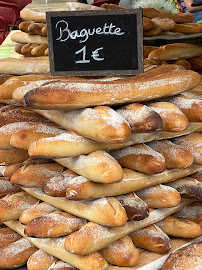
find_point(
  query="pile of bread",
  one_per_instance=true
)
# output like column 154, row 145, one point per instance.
column 100, row 173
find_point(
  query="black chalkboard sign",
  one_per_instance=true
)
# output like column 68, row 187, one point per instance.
column 95, row 43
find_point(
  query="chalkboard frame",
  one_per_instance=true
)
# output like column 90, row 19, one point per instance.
column 140, row 58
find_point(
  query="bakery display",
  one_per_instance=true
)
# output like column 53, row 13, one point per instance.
column 100, row 173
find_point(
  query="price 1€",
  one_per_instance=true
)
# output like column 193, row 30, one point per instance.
column 95, row 55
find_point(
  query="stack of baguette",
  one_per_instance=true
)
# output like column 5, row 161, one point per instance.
column 100, row 173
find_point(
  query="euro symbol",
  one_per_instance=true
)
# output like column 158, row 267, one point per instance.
column 95, row 55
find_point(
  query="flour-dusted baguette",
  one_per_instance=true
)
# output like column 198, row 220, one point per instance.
column 107, row 211
column 100, row 123
column 40, row 260
column 12, row 156
column 193, row 143
column 28, row 14
column 56, row 186
column 165, row 24
column 6, row 187
column 159, row 196
column 189, row 105
column 140, row 158
column 141, row 118
column 98, row 166
column 35, row 211
column 8, row 236
column 24, row 137
column 175, row 155
column 136, row 209
column 185, row 258
column 188, row 187
column 192, row 212
column 101, row 236
column 178, row 227
column 173, row 118
column 55, row 247
column 54, row 224
column 11, row 169
column 162, row 13
column 121, row 252
column 16, row 254
column 82, row 188
column 87, row 93
column 35, row 174
column 13, row 205
column 151, row 238
column 176, row 51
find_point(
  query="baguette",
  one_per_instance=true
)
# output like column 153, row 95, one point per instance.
column 11, row 169
column 156, row 31
column 13, row 205
column 148, row 49
column 140, row 158
column 82, row 188
column 136, row 209
column 192, row 143
column 36, row 29
column 54, row 224
column 24, row 49
column 188, row 187
column 190, row 106
column 93, row 93
column 16, row 254
column 197, row 175
column 173, row 118
column 182, row 62
column 60, row 265
column 13, row 156
column 185, row 258
column 55, row 247
column 106, row 211
column 151, row 238
column 147, row 24
column 141, row 118
column 98, row 166
column 35, row 174
column 188, row 28
column 165, row 24
column 35, row 211
column 121, row 253
column 179, row 227
column 8, row 236
column 101, row 236
column 40, row 260
column 22, row 37
column 176, row 51
column 28, row 14
column 159, row 196
column 6, row 188
column 191, row 212
column 175, row 155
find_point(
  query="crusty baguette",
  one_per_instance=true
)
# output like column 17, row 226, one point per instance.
column 35, row 174
column 188, row 28
column 156, row 31
column 188, row 187
column 6, row 187
column 177, row 17
column 192, row 142
column 176, row 51
column 159, row 196
column 35, row 211
column 92, row 93
column 54, row 224
column 28, row 14
column 151, row 238
column 101, row 236
column 141, row 118
column 22, row 37
column 173, row 118
column 140, row 158
column 121, row 252
column 98, row 166
column 32, row 28
column 189, row 105
column 106, row 211
column 55, row 247
column 186, row 258
column 24, row 137
column 13, row 156
column 40, row 260
column 13, row 205
column 175, row 155
column 8, row 236
column 147, row 24
column 136, row 209
column 148, row 49
column 81, row 188
column 178, row 227
column 100, row 123
column 16, row 254
column 165, row 24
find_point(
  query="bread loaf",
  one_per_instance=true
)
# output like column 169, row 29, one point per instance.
column 165, row 24
column 22, row 37
column 191, row 212
column 6, row 187
column 12, row 156
column 40, row 260
column 8, row 236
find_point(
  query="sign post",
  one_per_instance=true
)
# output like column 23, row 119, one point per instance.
column 95, row 43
